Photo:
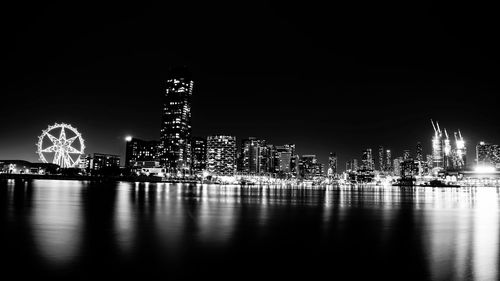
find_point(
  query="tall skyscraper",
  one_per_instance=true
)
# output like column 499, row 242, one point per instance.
column 310, row 167
column 406, row 154
column 381, row 159
column 388, row 161
column 397, row 166
column 221, row 155
column 176, row 121
column 252, row 155
column 459, row 153
column 419, row 156
column 367, row 159
column 437, row 148
column 285, row 155
column 199, row 154
column 332, row 165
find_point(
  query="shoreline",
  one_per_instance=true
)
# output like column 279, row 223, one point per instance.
column 93, row 178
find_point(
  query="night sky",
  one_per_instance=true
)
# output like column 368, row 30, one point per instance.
column 337, row 78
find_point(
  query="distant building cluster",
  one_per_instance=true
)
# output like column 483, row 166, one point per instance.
column 179, row 153
column 447, row 157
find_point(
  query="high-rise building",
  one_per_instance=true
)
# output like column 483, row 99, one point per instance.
column 272, row 159
column 488, row 155
column 406, row 154
column 309, row 167
column 419, row 156
column 381, row 159
column 138, row 150
column 199, row 154
column 388, row 161
column 221, row 153
column 252, row 155
column 428, row 160
column 437, row 148
column 176, row 121
column 332, row 165
column 285, row 154
column 397, row 166
column 367, row 159
column 459, row 153
column 355, row 166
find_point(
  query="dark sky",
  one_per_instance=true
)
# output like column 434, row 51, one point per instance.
column 341, row 77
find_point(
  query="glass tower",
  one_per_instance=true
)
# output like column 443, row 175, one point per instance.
column 176, row 121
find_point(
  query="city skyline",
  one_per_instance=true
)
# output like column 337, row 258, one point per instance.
column 320, row 92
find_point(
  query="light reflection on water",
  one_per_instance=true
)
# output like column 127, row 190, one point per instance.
column 449, row 233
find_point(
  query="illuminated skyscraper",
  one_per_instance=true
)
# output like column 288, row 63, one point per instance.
column 221, row 154
column 388, row 161
column 459, row 153
column 332, row 165
column 252, row 152
column 309, row 167
column 381, row 159
column 176, row 121
column 419, row 156
column 397, row 166
column 199, row 154
column 437, row 148
column 367, row 159
column 406, row 154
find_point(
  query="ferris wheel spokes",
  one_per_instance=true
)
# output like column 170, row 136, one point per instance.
column 62, row 147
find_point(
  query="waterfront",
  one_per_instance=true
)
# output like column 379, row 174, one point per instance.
column 78, row 229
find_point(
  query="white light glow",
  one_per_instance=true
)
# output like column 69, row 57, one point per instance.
column 484, row 169
column 128, row 138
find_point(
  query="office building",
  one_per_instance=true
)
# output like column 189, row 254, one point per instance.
column 138, row 150
column 221, row 154
column 419, row 156
column 102, row 161
column 198, row 154
column 381, row 159
column 367, row 160
column 309, row 168
column 176, row 121
column 332, row 165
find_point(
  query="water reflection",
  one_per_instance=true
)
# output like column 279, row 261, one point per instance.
column 57, row 220
column 146, row 228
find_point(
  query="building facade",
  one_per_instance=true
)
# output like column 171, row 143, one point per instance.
column 176, row 122
column 138, row 150
column 102, row 161
column 198, row 154
column 367, row 161
column 332, row 165
column 309, row 167
column 221, row 155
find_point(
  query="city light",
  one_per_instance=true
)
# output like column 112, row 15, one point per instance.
column 128, row 138
column 484, row 169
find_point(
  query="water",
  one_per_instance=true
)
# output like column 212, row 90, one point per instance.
column 83, row 230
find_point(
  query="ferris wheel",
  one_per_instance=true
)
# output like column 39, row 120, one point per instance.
column 64, row 150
